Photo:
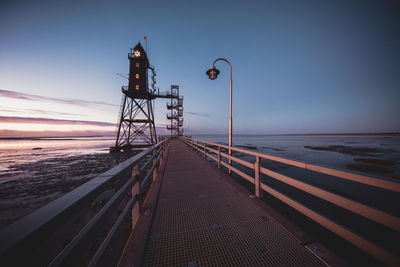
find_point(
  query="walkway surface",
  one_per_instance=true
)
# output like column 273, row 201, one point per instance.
column 201, row 220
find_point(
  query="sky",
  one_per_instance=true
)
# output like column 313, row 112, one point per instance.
column 298, row 66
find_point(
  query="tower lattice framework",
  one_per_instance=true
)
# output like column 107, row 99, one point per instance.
column 136, row 127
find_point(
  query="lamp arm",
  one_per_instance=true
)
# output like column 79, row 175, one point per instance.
column 230, row 66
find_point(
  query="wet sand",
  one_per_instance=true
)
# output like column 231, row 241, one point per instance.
column 29, row 186
column 366, row 155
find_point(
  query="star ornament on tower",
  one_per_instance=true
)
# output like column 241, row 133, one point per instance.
column 137, row 53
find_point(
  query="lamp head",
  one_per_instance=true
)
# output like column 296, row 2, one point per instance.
column 212, row 73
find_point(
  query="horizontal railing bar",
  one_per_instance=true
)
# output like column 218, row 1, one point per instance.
column 193, row 146
column 368, row 212
column 388, row 185
column 144, row 182
column 144, row 167
column 146, row 178
column 376, row 182
column 212, row 150
column 242, row 174
column 186, row 141
column 160, row 154
column 93, row 222
column 202, row 146
column 356, row 240
column 214, row 158
column 116, row 227
column 243, row 162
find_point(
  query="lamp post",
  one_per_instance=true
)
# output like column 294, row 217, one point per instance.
column 212, row 74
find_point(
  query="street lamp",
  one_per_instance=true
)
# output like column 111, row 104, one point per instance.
column 212, row 74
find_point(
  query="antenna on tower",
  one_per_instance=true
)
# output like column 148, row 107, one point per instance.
column 145, row 40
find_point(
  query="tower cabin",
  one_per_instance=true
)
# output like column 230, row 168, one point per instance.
column 139, row 64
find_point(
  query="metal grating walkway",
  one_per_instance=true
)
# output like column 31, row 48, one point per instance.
column 201, row 220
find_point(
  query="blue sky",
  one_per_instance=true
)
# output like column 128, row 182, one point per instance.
column 298, row 66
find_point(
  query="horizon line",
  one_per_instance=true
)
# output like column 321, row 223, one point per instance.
column 301, row 134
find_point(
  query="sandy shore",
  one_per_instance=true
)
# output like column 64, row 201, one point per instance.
column 30, row 186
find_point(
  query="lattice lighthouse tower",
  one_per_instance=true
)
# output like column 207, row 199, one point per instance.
column 136, row 125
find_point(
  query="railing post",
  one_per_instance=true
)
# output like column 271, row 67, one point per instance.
column 230, row 161
column 155, row 164
column 257, row 177
column 161, row 151
column 205, row 151
column 197, row 146
column 136, row 191
column 164, row 150
column 219, row 157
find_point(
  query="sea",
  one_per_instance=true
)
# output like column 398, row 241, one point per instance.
column 294, row 147
column 20, row 158
column 23, row 150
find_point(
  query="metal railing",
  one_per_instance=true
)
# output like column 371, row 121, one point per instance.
column 208, row 148
column 172, row 117
column 172, row 127
column 172, row 106
column 28, row 232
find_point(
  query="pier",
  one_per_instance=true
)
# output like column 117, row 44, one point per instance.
column 172, row 207
column 201, row 220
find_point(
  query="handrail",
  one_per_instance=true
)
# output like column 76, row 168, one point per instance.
column 25, row 233
column 388, row 185
column 172, row 106
column 351, row 205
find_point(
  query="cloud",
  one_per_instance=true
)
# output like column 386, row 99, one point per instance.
column 197, row 114
column 39, row 111
column 6, row 119
column 69, row 101
column 10, row 134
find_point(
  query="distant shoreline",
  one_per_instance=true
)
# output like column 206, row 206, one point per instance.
column 300, row 134
column 315, row 134
column 351, row 134
column 50, row 137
